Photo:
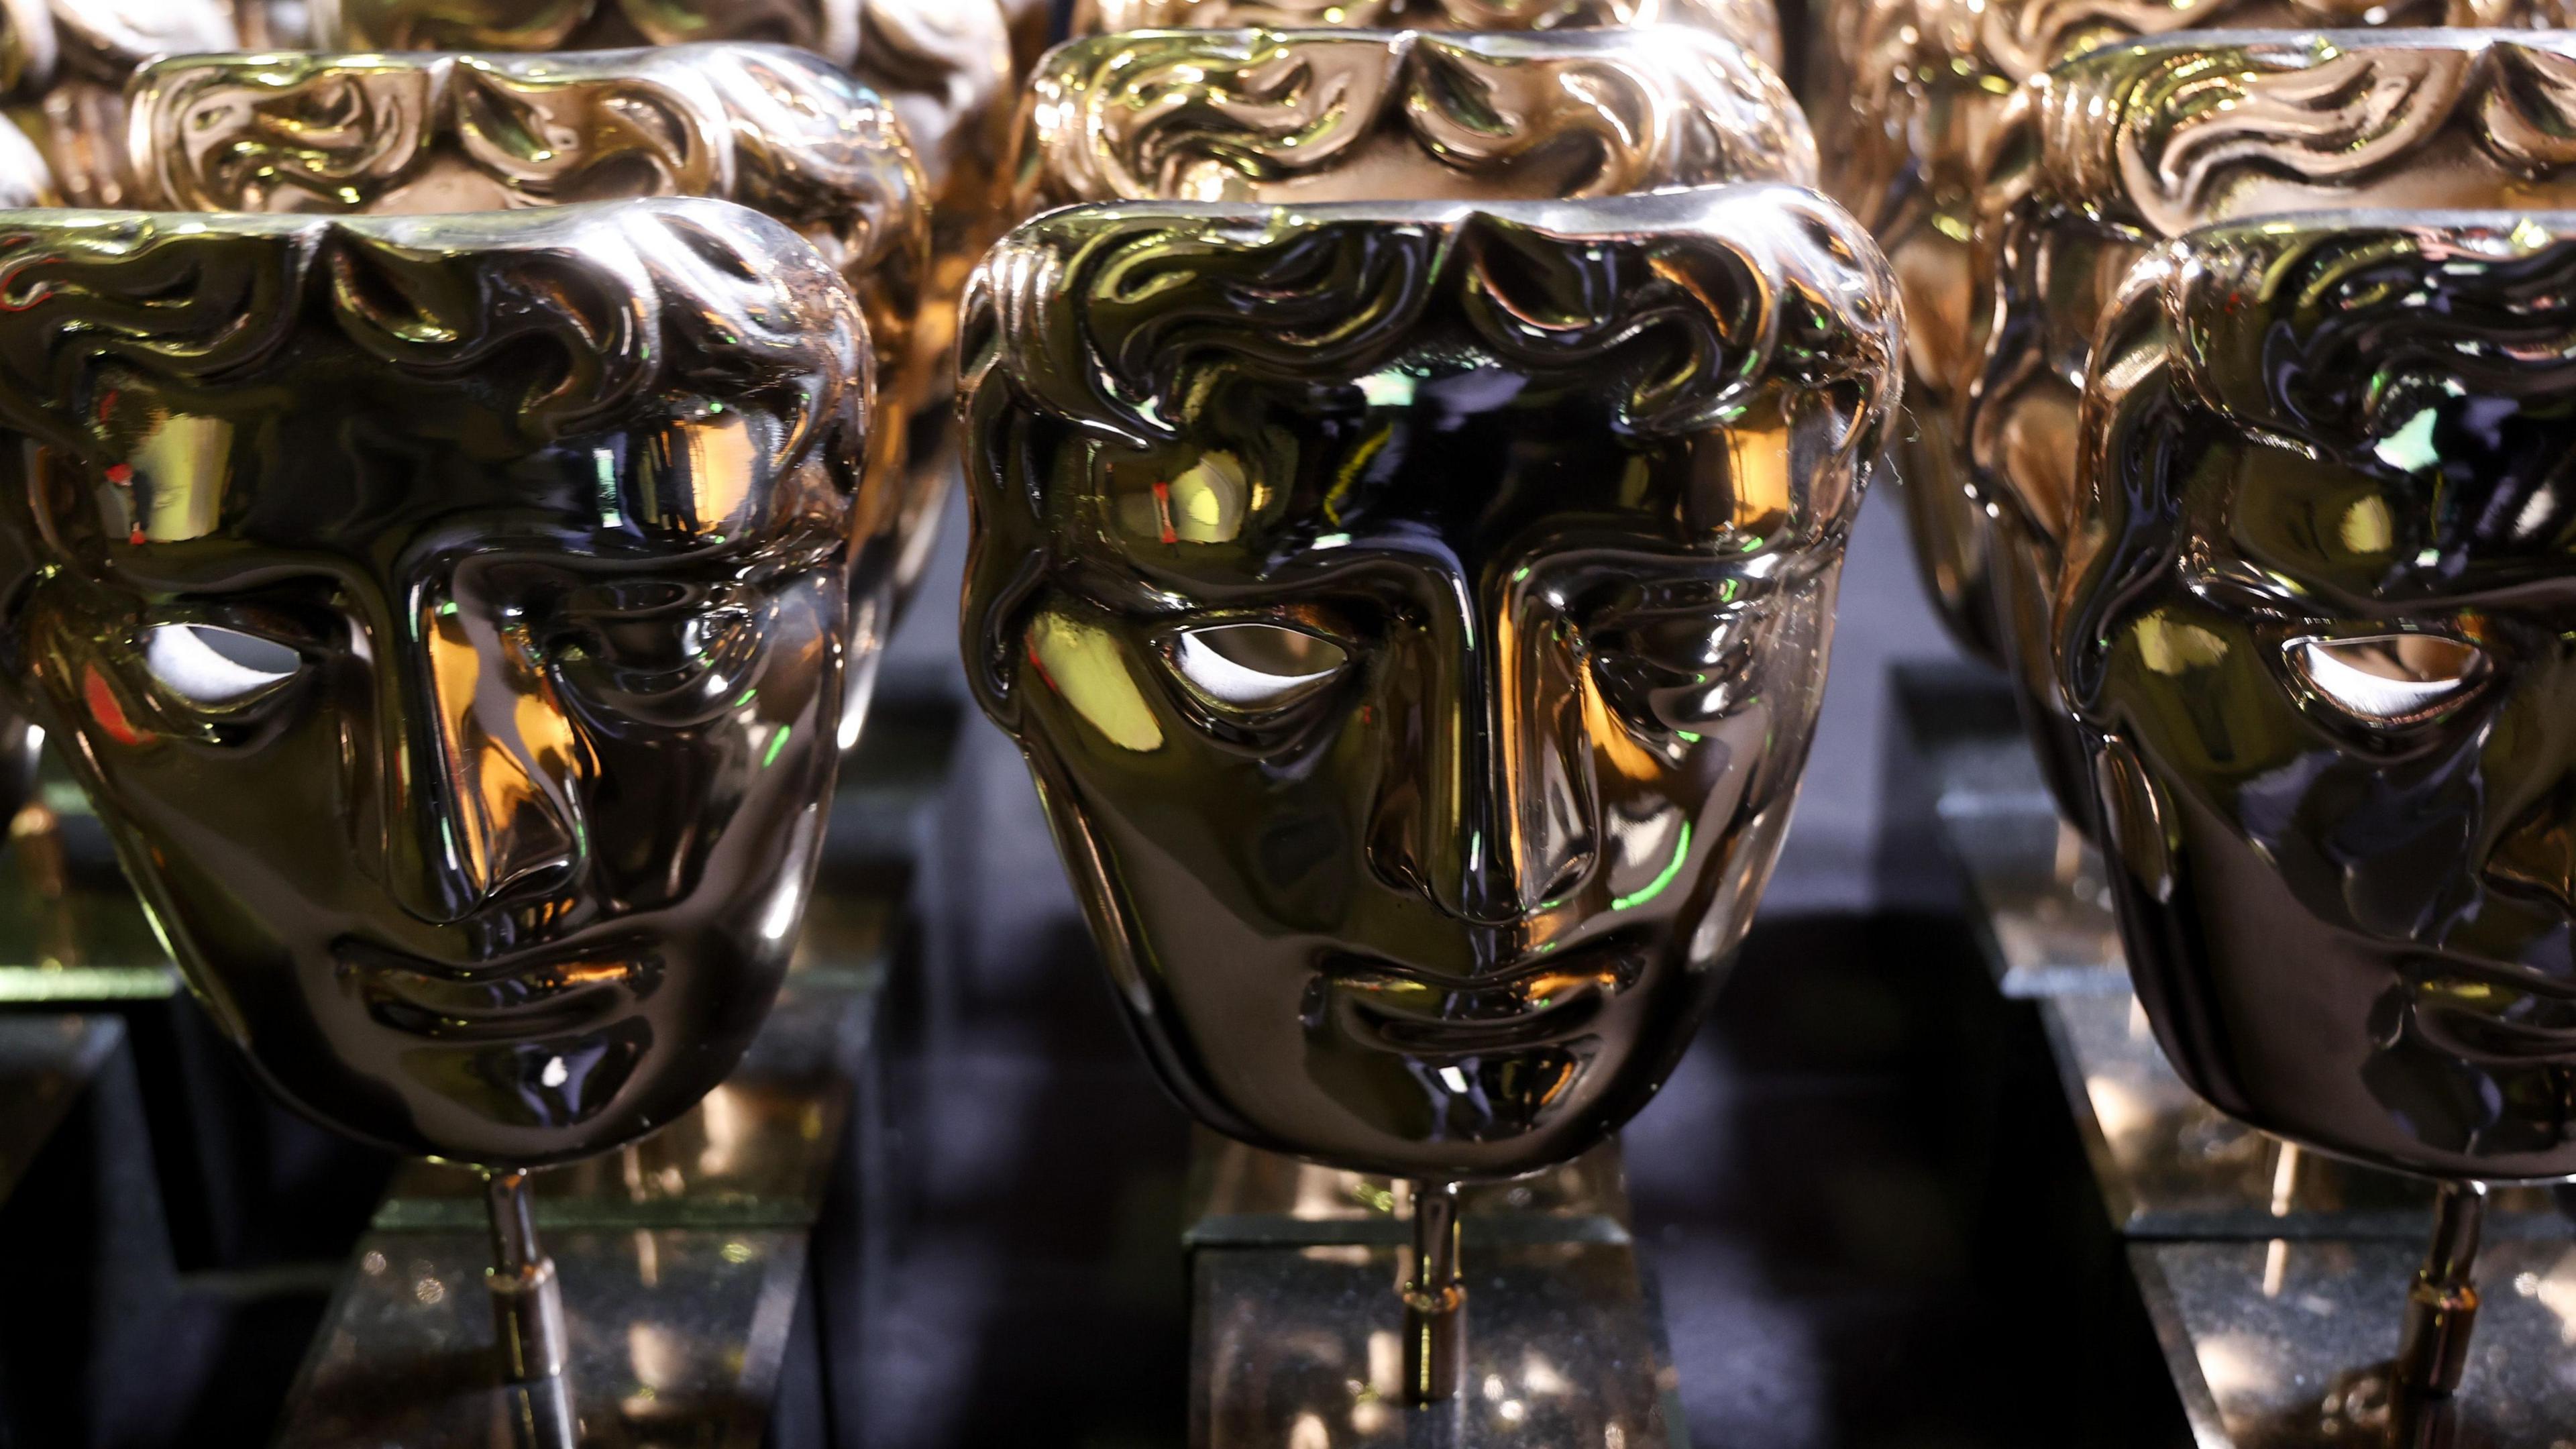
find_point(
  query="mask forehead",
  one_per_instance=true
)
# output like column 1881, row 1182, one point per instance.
column 2393, row 400
column 1644, row 342
column 1323, row 115
column 299, row 384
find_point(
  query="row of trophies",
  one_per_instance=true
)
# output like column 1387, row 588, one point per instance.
column 453, row 516
column 2240, row 368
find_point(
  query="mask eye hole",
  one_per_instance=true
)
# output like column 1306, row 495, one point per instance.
column 217, row 668
column 2390, row 678
column 1254, row 668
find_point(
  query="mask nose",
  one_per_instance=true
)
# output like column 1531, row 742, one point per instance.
column 1488, row 806
column 493, row 761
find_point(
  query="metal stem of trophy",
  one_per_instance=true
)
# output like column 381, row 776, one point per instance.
column 527, row 1315
column 2442, row 1304
column 1435, row 1300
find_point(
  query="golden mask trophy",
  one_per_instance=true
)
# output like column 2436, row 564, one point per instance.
column 1905, row 97
column 1414, row 618
column 775, row 129
column 445, row 615
column 1753, row 24
column 945, row 67
column 1298, row 116
column 2105, row 155
column 2314, row 628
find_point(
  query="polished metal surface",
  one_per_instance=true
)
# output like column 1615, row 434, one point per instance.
column 1753, row 24
column 1906, row 97
column 1303, row 116
column 2314, row 629
column 673, row 1336
column 63, row 67
column 2109, row 153
column 1414, row 616
column 769, row 127
column 2286, row 1345
column 1241, row 1196
column 2169, row 1165
column 445, row 615
column 775, row 129
column 756, row 1152
column 945, row 67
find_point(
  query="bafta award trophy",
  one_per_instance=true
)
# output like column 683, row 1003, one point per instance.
column 2107, row 154
column 945, row 67
column 775, row 129
column 1301, row 116
column 2314, row 627
column 1414, row 616
column 1906, row 98
column 445, row 615
column 1753, row 24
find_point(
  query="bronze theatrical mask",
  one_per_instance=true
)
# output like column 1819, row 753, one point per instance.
column 2109, row 153
column 1907, row 97
column 2316, row 630
column 445, row 615
column 945, row 66
column 775, row 129
column 1334, row 115
column 1414, row 617
column 1753, row 24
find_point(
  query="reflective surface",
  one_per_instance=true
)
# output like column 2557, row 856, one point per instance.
column 1753, row 24
column 63, row 66
column 677, row 1338
column 1299, row 1344
column 2171, row 1166
column 445, row 614
column 2316, row 629
column 1414, row 618
column 2122, row 147
column 1326, row 115
column 2277, row 1346
column 944, row 66
column 772, row 128
column 1907, row 94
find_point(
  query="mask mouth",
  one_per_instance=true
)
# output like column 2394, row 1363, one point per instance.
column 564, row 989
column 2493, row 1012
column 1415, row 1013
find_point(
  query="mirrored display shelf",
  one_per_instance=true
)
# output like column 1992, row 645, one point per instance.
column 2277, row 1345
column 2169, row 1165
column 1297, row 1329
column 679, row 1336
column 2035, row 888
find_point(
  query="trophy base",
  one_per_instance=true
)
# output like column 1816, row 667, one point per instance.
column 1296, row 1329
column 2284, row 1345
column 677, row 1336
